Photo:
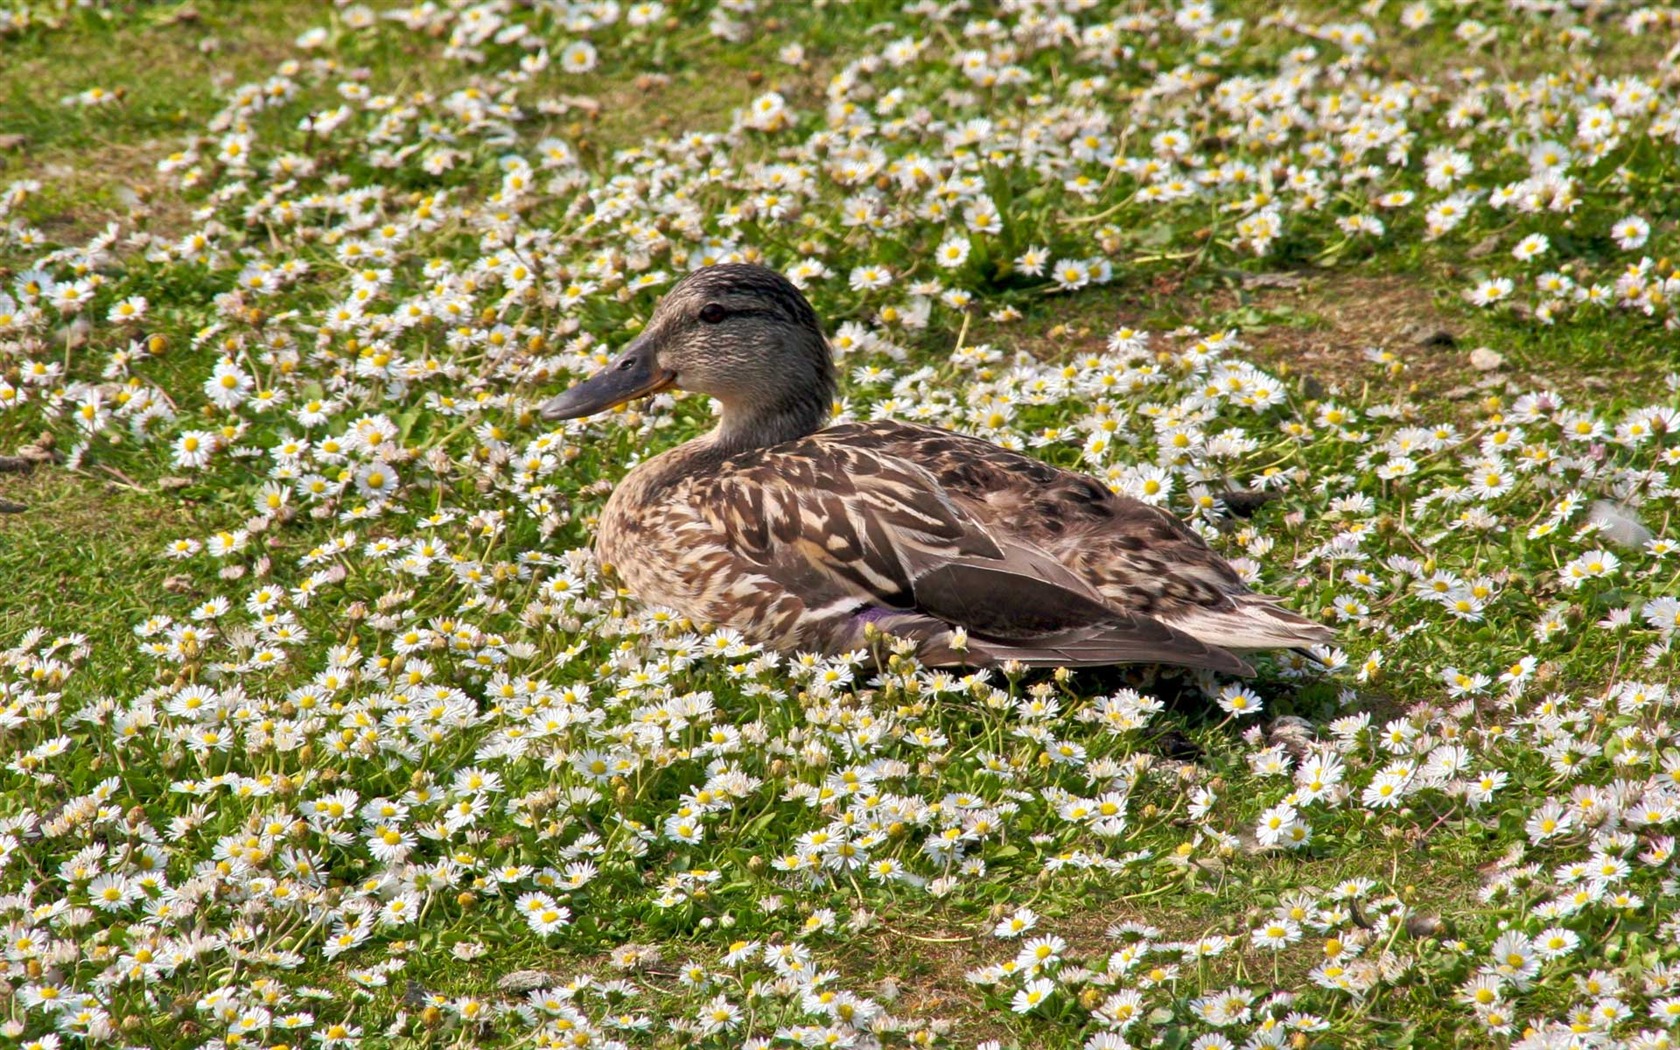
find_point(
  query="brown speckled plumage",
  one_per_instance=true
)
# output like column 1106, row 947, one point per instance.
column 801, row 540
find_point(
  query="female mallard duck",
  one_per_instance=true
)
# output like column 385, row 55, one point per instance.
column 801, row 535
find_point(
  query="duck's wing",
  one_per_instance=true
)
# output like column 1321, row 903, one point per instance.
column 865, row 536
column 1136, row 556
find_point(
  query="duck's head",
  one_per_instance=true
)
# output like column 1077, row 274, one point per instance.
column 738, row 332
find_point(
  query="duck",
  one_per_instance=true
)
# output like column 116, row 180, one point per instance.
column 804, row 535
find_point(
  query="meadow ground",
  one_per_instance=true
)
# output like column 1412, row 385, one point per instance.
column 322, row 727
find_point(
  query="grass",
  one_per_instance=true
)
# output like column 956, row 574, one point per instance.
column 164, row 65
column 235, row 818
column 82, row 557
column 168, row 67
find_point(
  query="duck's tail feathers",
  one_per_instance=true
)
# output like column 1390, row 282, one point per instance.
column 1252, row 622
column 1098, row 645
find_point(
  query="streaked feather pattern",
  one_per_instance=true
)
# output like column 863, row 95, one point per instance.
column 802, row 544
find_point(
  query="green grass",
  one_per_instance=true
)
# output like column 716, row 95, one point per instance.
column 168, row 66
column 165, row 65
column 82, row 558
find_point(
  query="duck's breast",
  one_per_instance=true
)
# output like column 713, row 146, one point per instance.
column 661, row 537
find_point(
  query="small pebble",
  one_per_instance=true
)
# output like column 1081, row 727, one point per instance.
column 1484, row 359
column 521, row 981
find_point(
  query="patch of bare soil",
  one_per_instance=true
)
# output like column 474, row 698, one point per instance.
column 1331, row 326
column 923, row 971
column 1335, row 330
column 1328, row 328
column 1316, row 325
column 117, row 182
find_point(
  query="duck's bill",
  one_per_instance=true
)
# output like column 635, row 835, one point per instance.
column 631, row 376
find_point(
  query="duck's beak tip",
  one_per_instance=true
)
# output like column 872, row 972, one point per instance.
column 553, row 411
column 626, row 379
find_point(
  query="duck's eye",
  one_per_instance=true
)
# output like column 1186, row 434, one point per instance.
column 712, row 313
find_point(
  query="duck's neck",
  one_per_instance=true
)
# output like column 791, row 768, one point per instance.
column 747, row 424
column 758, row 419
column 752, row 421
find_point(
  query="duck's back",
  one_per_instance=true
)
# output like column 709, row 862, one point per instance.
column 1142, row 559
